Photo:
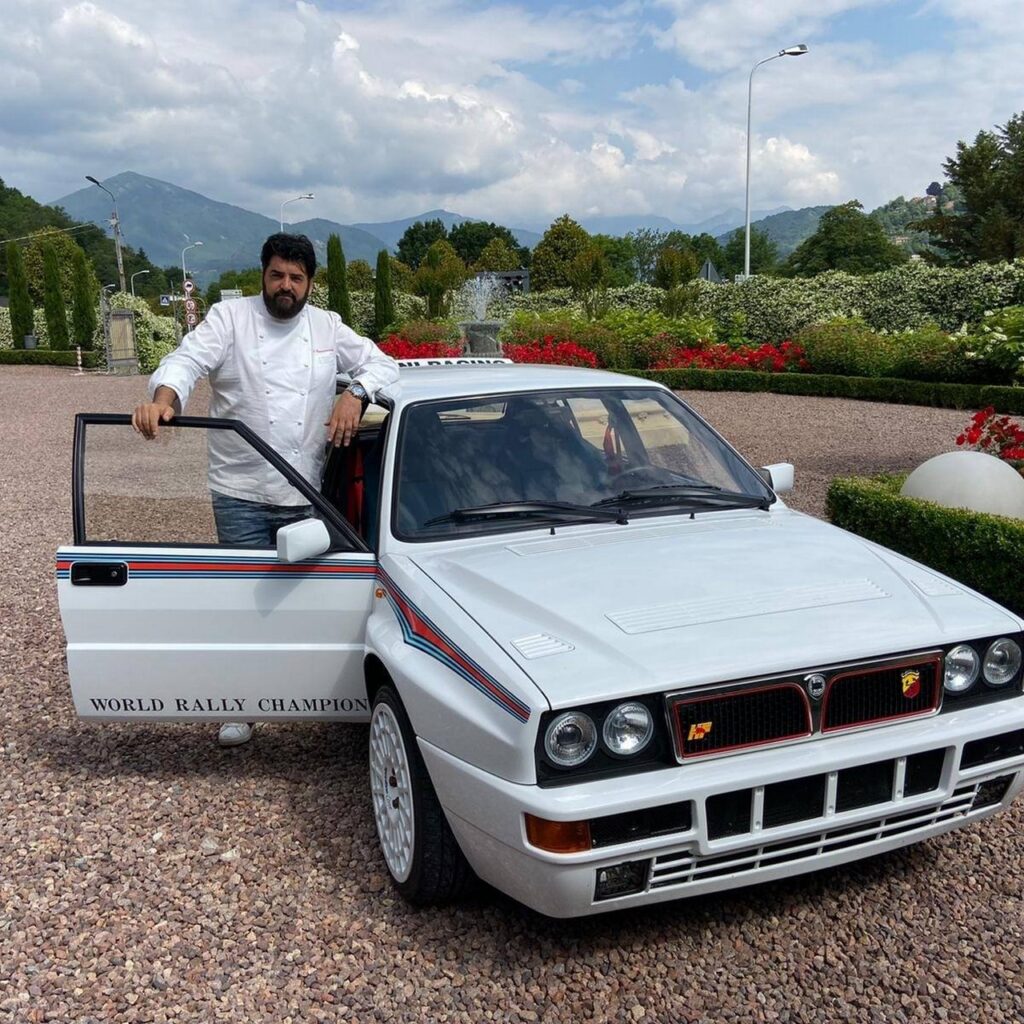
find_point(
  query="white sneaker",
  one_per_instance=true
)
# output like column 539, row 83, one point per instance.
column 233, row 734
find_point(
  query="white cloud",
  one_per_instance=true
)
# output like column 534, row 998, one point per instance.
column 497, row 110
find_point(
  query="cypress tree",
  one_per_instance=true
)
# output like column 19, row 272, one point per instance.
column 83, row 302
column 383, row 299
column 53, row 300
column 20, row 300
column 337, row 280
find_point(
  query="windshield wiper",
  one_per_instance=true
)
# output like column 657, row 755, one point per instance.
column 686, row 494
column 510, row 509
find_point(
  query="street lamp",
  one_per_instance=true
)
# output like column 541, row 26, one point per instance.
column 308, row 195
column 790, row 51
column 184, row 273
column 135, row 275
column 116, row 221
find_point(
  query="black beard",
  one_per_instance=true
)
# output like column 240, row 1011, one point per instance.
column 283, row 311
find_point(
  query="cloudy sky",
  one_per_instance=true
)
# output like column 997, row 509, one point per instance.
column 516, row 111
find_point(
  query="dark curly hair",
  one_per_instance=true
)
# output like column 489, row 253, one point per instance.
column 293, row 248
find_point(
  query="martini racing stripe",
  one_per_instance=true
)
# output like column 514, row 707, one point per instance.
column 142, row 566
column 419, row 632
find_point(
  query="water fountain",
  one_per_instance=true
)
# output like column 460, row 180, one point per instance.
column 480, row 333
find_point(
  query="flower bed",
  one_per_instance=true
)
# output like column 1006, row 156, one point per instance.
column 398, row 347
column 551, row 350
column 784, row 358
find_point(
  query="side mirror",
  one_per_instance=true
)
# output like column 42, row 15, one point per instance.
column 299, row 541
column 779, row 476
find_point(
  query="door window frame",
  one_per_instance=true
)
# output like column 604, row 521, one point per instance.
column 85, row 419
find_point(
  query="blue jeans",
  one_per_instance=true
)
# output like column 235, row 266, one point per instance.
column 250, row 524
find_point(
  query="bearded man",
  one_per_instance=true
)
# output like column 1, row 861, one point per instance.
column 272, row 363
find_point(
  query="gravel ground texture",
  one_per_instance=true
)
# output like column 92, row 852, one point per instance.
column 148, row 875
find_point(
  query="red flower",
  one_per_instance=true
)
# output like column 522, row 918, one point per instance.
column 998, row 435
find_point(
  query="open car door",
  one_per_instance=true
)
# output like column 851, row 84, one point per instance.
column 164, row 623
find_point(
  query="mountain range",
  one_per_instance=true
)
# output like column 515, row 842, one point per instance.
column 162, row 219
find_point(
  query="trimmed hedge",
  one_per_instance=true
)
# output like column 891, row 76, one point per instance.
column 50, row 357
column 985, row 552
column 1008, row 400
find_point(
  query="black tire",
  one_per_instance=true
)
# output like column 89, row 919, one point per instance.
column 431, row 869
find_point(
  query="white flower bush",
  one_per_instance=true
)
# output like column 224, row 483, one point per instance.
column 407, row 307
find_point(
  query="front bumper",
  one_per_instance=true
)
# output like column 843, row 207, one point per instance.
column 486, row 813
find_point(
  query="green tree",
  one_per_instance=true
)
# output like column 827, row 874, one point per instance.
column 620, row 259
column 53, row 299
column 418, row 238
column 471, row 237
column 440, row 272
column 83, row 302
column 563, row 241
column 383, row 298
column 675, row 267
column 20, row 300
column 401, row 275
column 763, row 253
column 706, row 247
column 588, row 275
column 248, row 282
column 497, row 255
column 63, row 249
column 989, row 175
column 647, row 242
column 360, row 276
column 846, row 239
column 337, row 285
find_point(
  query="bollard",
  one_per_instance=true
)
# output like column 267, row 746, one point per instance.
column 78, row 361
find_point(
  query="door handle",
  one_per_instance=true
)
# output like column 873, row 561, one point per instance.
column 99, row 574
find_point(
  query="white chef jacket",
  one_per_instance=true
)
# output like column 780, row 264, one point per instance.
column 277, row 377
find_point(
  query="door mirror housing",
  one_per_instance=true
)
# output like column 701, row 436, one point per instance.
column 299, row 541
column 779, row 476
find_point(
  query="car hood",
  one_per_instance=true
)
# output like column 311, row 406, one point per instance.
column 600, row 612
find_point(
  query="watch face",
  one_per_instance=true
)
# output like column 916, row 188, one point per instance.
column 358, row 391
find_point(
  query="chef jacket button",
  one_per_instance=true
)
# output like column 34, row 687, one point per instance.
column 268, row 391
column 302, row 392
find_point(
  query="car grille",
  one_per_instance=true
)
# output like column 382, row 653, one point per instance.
column 773, row 711
column 724, row 721
column 686, row 868
column 881, row 694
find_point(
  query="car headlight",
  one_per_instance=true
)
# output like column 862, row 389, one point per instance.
column 962, row 667
column 1002, row 662
column 570, row 739
column 628, row 729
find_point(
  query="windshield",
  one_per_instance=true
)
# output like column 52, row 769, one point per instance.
column 487, row 464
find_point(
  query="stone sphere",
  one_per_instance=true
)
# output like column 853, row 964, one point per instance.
column 971, row 480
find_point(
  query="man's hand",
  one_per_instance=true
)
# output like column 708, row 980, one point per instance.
column 344, row 422
column 148, row 416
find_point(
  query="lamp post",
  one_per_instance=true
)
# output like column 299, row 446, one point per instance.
column 137, row 273
column 116, row 222
column 308, row 195
column 184, row 273
column 790, row 51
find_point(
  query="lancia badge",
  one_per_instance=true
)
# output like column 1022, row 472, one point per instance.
column 815, row 685
column 911, row 683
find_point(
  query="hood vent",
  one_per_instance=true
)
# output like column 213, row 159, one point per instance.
column 744, row 605
column 541, row 645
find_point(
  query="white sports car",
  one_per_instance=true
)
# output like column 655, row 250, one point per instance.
column 603, row 663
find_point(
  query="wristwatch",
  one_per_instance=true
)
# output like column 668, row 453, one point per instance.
column 356, row 390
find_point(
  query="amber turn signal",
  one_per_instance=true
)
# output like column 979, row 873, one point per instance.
column 558, row 836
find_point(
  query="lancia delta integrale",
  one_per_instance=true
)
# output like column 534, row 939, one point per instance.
column 602, row 663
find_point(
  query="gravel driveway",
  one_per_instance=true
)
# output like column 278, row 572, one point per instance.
column 147, row 875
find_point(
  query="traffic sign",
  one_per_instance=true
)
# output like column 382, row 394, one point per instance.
column 189, row 285
column 165, row 300
column 191, row 319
